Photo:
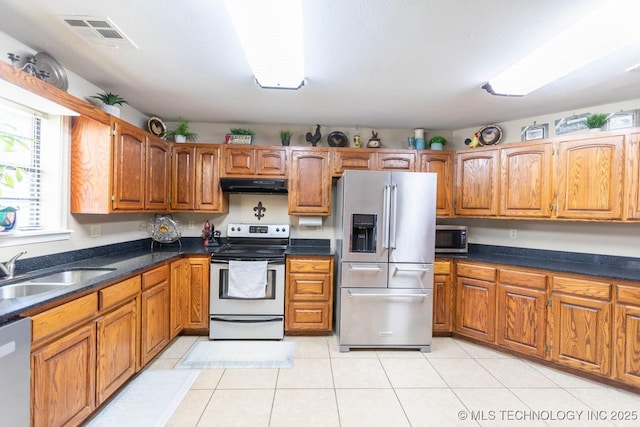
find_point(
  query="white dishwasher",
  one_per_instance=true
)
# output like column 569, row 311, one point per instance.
column 15, row 349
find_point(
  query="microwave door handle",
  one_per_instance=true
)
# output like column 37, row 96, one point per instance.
column 385, row 217
column 393, row 216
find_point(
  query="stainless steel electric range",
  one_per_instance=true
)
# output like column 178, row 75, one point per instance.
column 247, row 283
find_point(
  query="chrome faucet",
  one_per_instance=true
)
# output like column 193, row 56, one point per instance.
column 9, row 267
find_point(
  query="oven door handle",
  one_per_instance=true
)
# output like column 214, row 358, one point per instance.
column 253, row 319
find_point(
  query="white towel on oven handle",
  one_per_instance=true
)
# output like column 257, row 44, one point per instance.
column 247, row 279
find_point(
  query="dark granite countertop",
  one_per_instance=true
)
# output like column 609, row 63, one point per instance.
column 311, row 247
column 605, row 266
column 126, row 259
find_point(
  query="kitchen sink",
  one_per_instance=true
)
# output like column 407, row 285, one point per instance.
column 69, row 277
column 27, row 289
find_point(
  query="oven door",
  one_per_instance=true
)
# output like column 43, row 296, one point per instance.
column 223, row 304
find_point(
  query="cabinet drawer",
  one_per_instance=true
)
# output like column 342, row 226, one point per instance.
column 120, row 292
column 442, row 267
column 59, row 318
column 628, row 294
column 476, row 272
column 309, row 286
column 314, row 316
column 581, row 287
column 310, row 265
column 155, row 277
column 524, row 279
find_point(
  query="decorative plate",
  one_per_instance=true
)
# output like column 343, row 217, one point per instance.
column 57, row 75
column 490, row 135
column 157, row 127
column 337, row 139
column 165, row 229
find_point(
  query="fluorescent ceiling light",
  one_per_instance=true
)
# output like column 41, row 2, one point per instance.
column 271, row 36
column 607, row 29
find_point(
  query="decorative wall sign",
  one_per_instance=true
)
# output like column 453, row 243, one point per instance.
column 571, row 124
column 534, row 132
column 259, row 211
column 622, row 120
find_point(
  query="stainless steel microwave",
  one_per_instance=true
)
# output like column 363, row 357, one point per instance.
column 451, row 239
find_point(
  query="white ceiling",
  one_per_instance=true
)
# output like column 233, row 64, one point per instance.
column 376, row 63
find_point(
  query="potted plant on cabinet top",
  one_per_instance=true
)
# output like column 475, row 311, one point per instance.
column 437, row 142
column 110, row 102
column 182, row 133
column 595, row 122
column 10, row 175
column 240, row 136
column 285, row 136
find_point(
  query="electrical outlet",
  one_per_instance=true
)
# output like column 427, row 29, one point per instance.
column 513, row 233
column 191, row 225
column 96, row 230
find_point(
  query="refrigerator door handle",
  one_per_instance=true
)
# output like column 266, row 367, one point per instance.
column 398, row 268
column 364, row 268
column 370, row 294
column 393, row 216
column 385, row 217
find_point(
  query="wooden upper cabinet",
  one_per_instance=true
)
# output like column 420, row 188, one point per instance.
column 590, row 173
column 182, row 176
column 396, row 161
column 352, row 159
column 158, row 174
column 129, row 167
column 477, row 182
column 252, row 160
column 441, row 164
column 632, row 177
column 526, row 181
column 310, row 181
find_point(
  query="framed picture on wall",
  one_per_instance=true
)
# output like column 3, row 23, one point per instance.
column 571, row 124
column 622, row 120
column 534, row 132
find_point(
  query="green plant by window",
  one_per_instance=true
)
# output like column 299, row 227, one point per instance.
column 596, row 121
column 10, row 175
column 109, row 98
column 240, row 131
column 183, row 129
column 437, row 139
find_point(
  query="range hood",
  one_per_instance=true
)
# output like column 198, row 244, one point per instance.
column 254, row 185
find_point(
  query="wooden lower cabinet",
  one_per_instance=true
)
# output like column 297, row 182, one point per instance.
column 627, row 334
column 476, row 301
column 155, row 312
column 581, row 314
column 179, row 303
column 521, row 311
column 197, row 295
column 309, row 299
column 442, row 297
column 63, row 379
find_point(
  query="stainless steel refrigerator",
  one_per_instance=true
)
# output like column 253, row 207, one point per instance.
column 385, row 225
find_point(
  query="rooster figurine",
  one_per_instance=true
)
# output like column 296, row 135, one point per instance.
column 475, row 142
column 313, row 139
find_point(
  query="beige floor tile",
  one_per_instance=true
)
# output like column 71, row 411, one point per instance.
column 191, row 408
column 238, row 408
column 335, row 353
column 412, row 373
column 370, row 408
column 493, row 407
column 516, row 373
column 178, row 347
column 464, row 373
column 306, row 373
column 208, row 379
column 446, row 348
column 399, row 354
column 557, row 407
column 427, row 407
column 163, row 363
column 611, row 402
column 480, row 352
column 564, row 379
column 359, row 373
column 248, row 379
column 310, row 347
column 308, row 408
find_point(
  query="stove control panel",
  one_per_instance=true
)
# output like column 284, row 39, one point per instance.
column 258, row 230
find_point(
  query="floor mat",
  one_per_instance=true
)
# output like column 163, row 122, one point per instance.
column 239, row 354
column 147, row 401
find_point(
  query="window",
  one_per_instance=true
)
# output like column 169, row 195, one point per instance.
column 33, row 153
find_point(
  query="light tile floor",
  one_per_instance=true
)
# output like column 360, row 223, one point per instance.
column 457, row 384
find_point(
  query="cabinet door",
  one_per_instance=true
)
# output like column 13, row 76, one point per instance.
column 117, row 349
column 158, row 175
column 442, row 303
column 309, row 182
column 477, row 182
column 182, row 176
column 526, row 181
column 63, row 379
column 197, row 312
column 271, row 161
column 128, row 167
column 155, row 312
column 352, row 159
column 627, row 335
column 441, row 165
column 179, row 294
column 400, row 161
column 239, row 160
column 590, row 178
column 632, row 178
column 521, row 319
column 476, row 308
column 208, row 195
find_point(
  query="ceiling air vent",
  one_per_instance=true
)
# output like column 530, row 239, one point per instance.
column 98, row 31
